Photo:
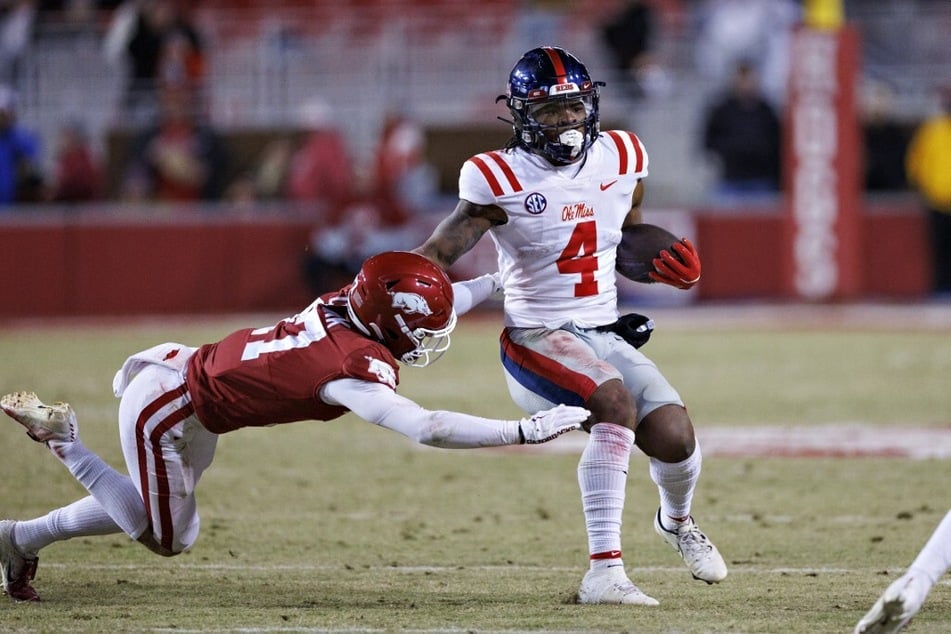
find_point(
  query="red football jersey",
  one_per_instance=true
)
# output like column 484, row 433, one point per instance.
column 267, row 376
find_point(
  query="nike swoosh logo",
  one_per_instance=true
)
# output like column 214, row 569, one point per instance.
column 606, row 185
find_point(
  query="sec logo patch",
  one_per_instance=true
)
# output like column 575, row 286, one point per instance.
column 535, row 203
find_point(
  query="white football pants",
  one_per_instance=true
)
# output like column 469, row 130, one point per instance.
column 166, row 450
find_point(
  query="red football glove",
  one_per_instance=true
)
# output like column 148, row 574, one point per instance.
column 681, row 273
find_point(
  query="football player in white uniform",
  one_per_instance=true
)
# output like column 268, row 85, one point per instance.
column 554, row 201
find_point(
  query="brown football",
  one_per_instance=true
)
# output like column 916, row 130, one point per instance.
column 640, row 244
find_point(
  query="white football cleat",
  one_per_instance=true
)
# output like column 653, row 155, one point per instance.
column 611, row 586
column 698, row 552
column 894, row 609
column 44, row 423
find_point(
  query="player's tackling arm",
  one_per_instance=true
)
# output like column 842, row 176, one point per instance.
column 470, row 293
column 460, row 231
column 380, row 405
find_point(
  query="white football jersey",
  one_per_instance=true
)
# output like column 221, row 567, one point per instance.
column 557, row 251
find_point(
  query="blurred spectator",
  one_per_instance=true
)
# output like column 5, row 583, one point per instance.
column 182, row 59
column 356, row 224
column 17, row 19
column 180, row 158
column 72, row 11
column 628, row 36
column 743, row 131
column 78, row 174
column 270, row 175
column 928, row 165
column 885, row 141
column 157, row 44
column 731, row 31
column 321, row 170
column 405, row 184
column 539, row 21
column 21, row 178
column 266, row 178
column 77, row 21
column 321, row 174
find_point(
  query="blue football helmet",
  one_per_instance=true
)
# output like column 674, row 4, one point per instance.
column 547, row 76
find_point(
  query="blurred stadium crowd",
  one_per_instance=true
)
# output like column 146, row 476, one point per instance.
column 257, row 68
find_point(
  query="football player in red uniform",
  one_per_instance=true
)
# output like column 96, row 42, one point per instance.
column 340, row 354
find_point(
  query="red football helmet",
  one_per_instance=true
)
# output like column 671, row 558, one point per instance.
column 404, row 301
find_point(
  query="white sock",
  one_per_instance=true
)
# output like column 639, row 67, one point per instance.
column 80, row 519
column 114, row 491
column 602, row 476
column 934, row 560
column 676, row 483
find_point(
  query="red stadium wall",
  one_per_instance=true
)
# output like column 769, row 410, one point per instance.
column 743, row 253
column 130, row 267
column 69, row 265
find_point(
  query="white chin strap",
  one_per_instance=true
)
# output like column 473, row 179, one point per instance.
column 573, row 139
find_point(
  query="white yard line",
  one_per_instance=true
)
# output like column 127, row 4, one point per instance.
column 456, row 568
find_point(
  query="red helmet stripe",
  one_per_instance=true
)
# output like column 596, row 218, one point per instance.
column 509, row 174
column 557, row 64
column 489, row 176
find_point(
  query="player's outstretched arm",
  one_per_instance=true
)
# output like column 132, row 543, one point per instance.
column 380, row 405
column 551, row 423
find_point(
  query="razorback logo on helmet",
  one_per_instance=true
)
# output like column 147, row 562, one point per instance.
column 411, row 303
column 382, row 371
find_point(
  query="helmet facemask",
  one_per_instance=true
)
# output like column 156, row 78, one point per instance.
column 430, row 344
column 426, row 345
column 562, row 142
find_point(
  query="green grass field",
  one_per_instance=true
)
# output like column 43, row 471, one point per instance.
column 343, row 526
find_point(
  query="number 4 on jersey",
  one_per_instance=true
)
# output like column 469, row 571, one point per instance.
column 578, row 258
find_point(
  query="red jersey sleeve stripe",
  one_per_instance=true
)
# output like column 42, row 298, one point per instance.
column 621, row 150
column 638, row 153
column 509, row 174
column 624, row 158
column 489, row 176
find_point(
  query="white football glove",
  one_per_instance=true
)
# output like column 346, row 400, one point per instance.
column 551, row 424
